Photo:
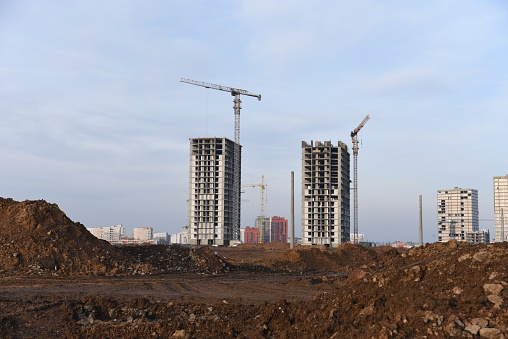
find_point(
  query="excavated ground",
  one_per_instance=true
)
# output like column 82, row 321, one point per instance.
column 56, row 280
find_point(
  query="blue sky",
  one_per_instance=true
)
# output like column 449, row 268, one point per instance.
column 93, row 116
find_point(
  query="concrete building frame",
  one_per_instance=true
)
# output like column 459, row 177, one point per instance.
column 325, row 194
column 211, row 191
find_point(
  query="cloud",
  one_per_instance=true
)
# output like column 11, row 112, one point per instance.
column 418, row 82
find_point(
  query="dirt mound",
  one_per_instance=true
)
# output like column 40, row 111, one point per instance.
column 321, row 259
column 177, row 258
column 267, row 245
column 439, row 291
column 37, row 237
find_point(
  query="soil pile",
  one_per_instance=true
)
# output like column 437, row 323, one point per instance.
column 249, row 254
column 439, row 291
column 321, row 259
column 273, row 245
column 178, row 259
column 37, row 237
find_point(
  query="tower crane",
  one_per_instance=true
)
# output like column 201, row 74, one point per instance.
column 354, row 137
column 262, row 186
column 236, row 92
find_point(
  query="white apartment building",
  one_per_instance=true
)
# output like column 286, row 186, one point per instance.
column 457, row 213
column 180, row 238
column 143, row 233
column 108, row 233
column 360, row 239
column 212, row 201
column 162, row 237
column 500, row 208
column 325, row 194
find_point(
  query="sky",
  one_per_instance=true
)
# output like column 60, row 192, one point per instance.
column 94, row 118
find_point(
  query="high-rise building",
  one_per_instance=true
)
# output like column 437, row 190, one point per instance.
column 211, row 192
column 273, row 228
column 263, row 225
column 457, row 213
column 501, row 208
column 251, row 235
column 278, row 229
column 325, row 194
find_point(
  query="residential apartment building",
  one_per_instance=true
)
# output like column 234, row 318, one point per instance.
column 143, row 233
column 251, row 235
column 263, row 225
column 108, row 233
column 272, row 229
column 360, row 238
column 115, row 235
column 212, row 201
column 162, row 237
column 325, row 194
column 500, row 208
column 278, row 229
column 457, row 213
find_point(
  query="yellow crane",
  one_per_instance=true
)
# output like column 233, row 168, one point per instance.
column 354, row 137
column 262, row 186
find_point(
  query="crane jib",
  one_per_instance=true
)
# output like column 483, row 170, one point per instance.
column 233, row 91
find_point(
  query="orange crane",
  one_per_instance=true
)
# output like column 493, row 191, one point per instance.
column 354, row 138
column 236, row 92
column 262, row 185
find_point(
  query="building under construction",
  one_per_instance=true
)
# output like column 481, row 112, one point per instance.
column 215, row 180
column 325, row 194
column 500, row 207
column 212, row 187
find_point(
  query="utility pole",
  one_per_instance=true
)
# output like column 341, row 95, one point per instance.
column 292, row 214
column 236, row 92
column 354, row 137
column 420, row 233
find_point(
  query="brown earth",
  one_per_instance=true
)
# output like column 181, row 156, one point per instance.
column 90, row 289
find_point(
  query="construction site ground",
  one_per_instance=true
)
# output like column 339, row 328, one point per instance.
column 58, row 281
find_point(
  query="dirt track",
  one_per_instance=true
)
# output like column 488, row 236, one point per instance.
column 240, row 288
column 80, row 307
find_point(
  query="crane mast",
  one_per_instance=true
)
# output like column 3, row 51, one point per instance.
column 354, row 137
column 236, row 92
column 262, row 186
